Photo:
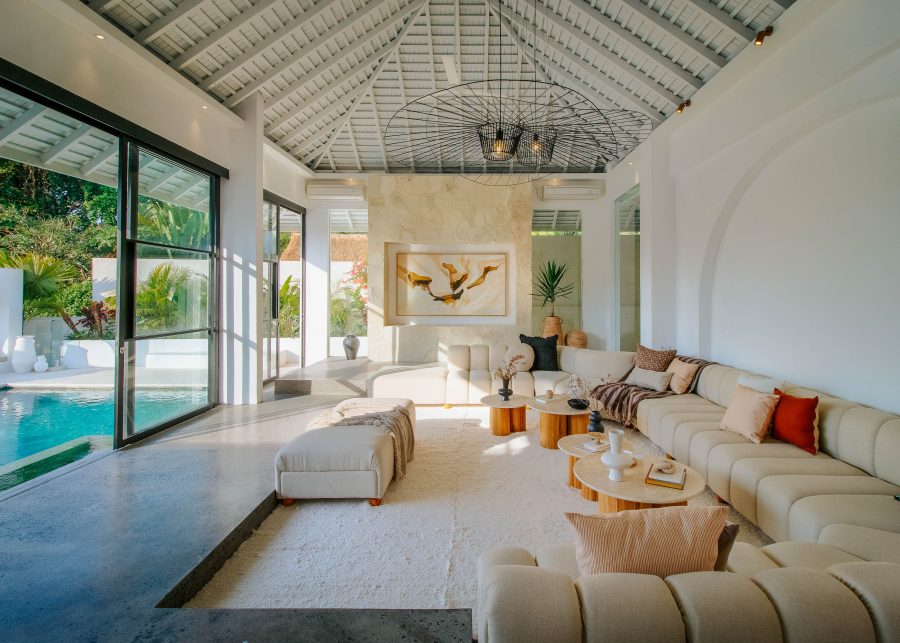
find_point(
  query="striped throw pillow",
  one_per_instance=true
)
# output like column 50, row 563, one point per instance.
column 662, row 541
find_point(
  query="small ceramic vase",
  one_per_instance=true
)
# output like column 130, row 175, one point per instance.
column 595, row 422
column 40, row 364
column 616, row 460
column 505, row 392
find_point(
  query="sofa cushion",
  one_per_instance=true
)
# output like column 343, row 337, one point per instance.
column 549, row 380
column 887, row 451
column 722, row 458
column 796, row 420
column 654, row 380
column 664, row 541
column 595, row 365
column 526, row 351
column 655, row 617
column 877, row 585
column 480, row 384
column 715, row 606
column 479, row 357
column 684, row 436
column 682, row 375
column 559, row 557
column 650, row 411
column 747, row 473
column 702, row 445
column 458, row 358
column 717, row 382
column 427, row 385
column 777, row 495
column 664, row 431
column 865, row 542
column 759, row 383
column 749, row 413
column 814, row 606
column 810, row 515
column 653, row 360
column 747, row 560
column 545, row 357
column 808, row 555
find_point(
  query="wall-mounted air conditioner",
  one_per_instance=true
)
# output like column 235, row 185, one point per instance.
column 572, row 191
column 335, row 191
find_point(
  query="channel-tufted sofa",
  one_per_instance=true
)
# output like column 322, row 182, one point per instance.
column 796, row 592
column 789, row 493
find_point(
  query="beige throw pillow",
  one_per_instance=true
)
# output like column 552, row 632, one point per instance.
column 682, row 375
column 649, row 379
column 525, row 351
column 749, row 413
column 662, row 541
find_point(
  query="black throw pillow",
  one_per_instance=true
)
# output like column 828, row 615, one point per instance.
column 545, row 358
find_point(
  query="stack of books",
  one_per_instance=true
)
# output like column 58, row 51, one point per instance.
column 674, row 480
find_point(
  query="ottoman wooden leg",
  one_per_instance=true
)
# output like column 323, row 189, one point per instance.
column 553, row 427
column 287, row 502
column 375, row 502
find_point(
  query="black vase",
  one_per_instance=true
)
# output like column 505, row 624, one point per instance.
column 505, row 392
column 595, row 423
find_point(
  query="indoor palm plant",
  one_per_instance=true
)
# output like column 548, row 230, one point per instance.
column 548, row 288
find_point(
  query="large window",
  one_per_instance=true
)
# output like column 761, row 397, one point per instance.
column 107, row 279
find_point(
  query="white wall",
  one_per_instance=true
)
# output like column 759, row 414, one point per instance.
column 318, row 256
column 769, row 209
column 10, row 310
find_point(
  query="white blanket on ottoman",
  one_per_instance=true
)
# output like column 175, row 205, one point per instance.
column 394, row 418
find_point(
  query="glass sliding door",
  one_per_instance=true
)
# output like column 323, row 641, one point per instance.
column 283, row 276
column 628, row 269
column 167, row 294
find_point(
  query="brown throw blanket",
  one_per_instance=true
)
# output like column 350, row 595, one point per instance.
column 394, row 420
column 620, row 400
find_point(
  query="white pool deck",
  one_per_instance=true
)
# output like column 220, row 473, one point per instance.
column 102, row 378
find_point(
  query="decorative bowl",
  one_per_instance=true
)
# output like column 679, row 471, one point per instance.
column 578, row 405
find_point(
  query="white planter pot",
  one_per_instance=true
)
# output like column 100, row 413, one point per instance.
column 23, row 355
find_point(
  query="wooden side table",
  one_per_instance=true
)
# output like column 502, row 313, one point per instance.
column 571, row 445
column 558, row 420
column 506, row 417
column 633, row 492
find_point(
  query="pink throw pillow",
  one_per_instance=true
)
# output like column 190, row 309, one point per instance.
column 749, row 413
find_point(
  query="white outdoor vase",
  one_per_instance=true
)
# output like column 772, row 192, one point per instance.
column 23, row 354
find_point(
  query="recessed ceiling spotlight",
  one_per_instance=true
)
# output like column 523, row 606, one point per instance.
column 762, row 35
column 204, row 107
column 99, row 36
column 630, row 163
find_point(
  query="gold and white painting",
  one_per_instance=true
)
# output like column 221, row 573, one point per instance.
column 451, row 284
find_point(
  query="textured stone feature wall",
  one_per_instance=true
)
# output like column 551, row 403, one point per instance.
column 444, row 210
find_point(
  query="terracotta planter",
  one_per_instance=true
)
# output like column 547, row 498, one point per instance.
column 576, row 338
column 553, row 326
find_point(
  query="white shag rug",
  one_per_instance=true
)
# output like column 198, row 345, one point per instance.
column 465, row 491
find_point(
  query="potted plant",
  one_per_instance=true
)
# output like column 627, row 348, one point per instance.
column 548, row 288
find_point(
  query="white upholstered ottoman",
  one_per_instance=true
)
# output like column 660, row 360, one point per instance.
column 339, row 461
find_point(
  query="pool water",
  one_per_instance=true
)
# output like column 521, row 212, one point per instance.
column 33, row 421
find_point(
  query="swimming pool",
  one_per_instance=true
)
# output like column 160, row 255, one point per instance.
column 33, row 421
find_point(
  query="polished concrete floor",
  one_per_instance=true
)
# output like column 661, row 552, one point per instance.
column 335, row 376
column 88, row 552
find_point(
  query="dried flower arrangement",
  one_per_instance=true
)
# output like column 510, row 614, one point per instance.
column 508, row 369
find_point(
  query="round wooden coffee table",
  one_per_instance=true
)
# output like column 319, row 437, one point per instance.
column 558, row 419
column 506, row 417
column 633, row 492
column 571, row 445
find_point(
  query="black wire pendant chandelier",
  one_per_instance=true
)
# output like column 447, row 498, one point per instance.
column 506, row 131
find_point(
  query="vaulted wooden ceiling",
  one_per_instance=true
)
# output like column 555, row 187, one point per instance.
column 333, row 72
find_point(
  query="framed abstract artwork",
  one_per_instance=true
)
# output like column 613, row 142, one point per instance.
column 452, row 284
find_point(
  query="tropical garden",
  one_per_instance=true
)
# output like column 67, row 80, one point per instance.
column 52, row 227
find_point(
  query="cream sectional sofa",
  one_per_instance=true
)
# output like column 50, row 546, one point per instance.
column 797, row 592
column 466, row 374
column 788, row 493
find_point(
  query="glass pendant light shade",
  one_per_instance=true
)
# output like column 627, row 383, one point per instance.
column 537, row 146
column 499, row 141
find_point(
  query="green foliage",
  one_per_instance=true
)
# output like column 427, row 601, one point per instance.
column 549, row 287
column 348, row 306
column 289, row 308
column 172, row 225
column 162, row 298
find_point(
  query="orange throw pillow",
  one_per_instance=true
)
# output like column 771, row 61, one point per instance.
column 662, row 541
column 796, row 421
